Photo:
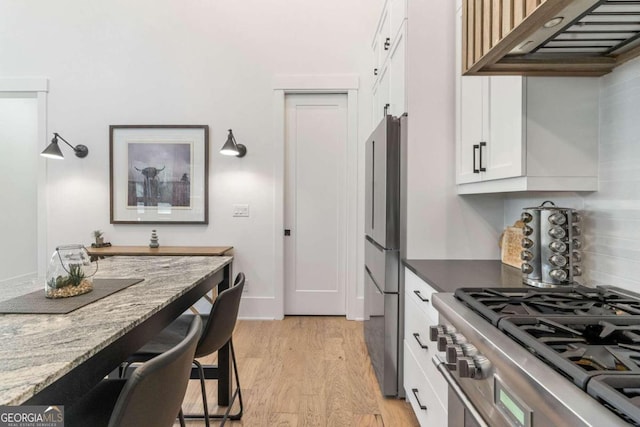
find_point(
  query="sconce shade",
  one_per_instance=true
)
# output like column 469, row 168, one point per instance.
column 232, row 148
column 53, row 150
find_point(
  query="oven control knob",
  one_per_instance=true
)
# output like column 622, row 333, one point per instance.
column 457, row 351
column 446, row 340
column 436, row 331
column 475, row 367
column 454, row 352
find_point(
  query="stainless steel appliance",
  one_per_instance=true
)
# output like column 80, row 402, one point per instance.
column 566, row 356
column 551, row 246
column 384, row 247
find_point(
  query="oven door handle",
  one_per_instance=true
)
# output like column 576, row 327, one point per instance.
column 453, row 385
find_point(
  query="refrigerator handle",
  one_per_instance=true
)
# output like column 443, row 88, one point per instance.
column 373, row 280
column 373, row 183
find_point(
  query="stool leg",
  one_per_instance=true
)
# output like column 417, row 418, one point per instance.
column 204, row 393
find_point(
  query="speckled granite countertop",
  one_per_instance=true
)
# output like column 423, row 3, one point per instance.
column 449, row 275
column 38, row 349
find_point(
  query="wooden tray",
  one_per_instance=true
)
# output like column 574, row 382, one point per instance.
column 511, row 246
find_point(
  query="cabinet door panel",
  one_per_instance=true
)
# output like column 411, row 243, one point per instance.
column 382, row 94
column 470, row 126
column 398, row 13
column 384, row 34
column 503, row 157
column 428, row 409
column 397, row 76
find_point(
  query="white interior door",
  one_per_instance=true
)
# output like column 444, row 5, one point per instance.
column 315, row 204
column 19, row 176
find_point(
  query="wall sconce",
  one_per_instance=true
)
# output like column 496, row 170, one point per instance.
column 232, row 148
column 53, row 150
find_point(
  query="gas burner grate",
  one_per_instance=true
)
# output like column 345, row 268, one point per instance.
column 620, row 393
column 493, row 304
column 580, row 346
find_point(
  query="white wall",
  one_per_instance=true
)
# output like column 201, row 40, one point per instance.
column 168, row 62
column 19, row 178
column 440, row 223
column 612, row 214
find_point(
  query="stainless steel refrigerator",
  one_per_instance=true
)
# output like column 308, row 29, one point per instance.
column 385, row 237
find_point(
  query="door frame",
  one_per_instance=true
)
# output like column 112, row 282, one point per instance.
column 39, row 86
column 317, row 84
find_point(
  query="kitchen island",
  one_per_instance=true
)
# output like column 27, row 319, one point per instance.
column 54, row 359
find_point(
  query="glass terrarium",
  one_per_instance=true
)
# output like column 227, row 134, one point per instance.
column 70, row 272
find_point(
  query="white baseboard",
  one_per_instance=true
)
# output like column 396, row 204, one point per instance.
column 21, row 278
column 259, row 308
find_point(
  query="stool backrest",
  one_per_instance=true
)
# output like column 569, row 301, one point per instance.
column 222, row 319
column 153, row 394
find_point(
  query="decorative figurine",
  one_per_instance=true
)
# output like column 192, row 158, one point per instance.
column 154, row 240
column 98, row 235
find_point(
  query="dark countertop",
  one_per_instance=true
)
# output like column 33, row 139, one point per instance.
column 448, row 275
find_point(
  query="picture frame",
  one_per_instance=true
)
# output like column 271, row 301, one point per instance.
column 159, row 174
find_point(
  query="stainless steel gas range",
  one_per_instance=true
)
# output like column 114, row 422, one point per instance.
column 540, row 357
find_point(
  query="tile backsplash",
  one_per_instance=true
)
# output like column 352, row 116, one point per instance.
column 612, row 214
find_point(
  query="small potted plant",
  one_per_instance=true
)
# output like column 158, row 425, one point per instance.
column 98, row 235
column 70, row 272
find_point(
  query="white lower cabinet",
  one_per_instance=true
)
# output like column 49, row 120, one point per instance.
column 424, row 401
column 425, row 388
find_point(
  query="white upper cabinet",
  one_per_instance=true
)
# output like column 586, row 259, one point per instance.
column 517, row 133
column 397, row 74
column 382, row 39
column 397, row 16
column 389, row 51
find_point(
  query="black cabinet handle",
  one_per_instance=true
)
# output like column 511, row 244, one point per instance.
column 375, row 71
column 481, row 168
column 423, row 299
column 387, row 43
column 417, row 337
column 415, row 394
column 475, row 147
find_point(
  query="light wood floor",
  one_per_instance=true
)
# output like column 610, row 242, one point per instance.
column 305, row 371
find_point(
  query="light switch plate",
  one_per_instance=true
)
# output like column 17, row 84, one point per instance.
column 240, row 210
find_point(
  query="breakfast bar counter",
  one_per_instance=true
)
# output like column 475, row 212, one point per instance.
column 54, row 358
column 159, row 251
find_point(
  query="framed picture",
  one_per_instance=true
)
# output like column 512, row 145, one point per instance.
column 159, row 174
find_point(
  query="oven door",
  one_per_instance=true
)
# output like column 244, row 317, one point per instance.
column 461, row 411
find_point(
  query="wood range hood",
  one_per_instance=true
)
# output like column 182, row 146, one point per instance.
column 548, row 37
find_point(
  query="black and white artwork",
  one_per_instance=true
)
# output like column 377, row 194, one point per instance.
column 159, row 174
